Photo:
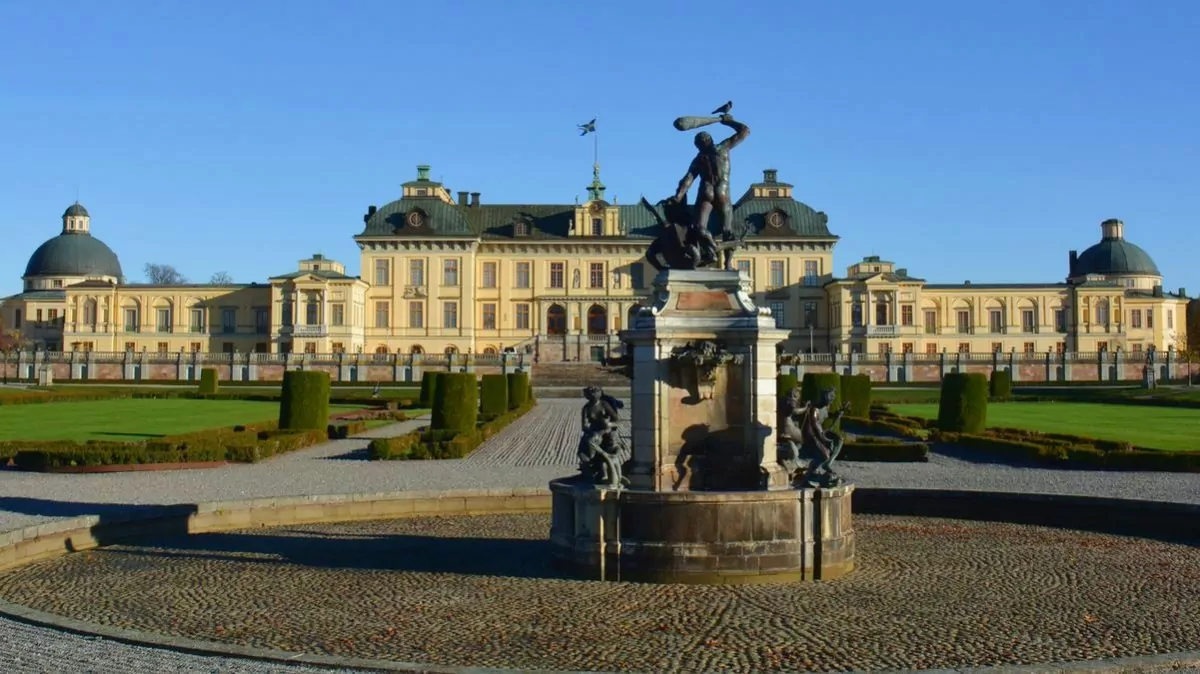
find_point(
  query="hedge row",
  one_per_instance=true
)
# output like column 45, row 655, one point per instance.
column 520, row 392
column 856, row 390
column 161, row 394
column 345, row 429
column 884, row 427
column 438, row 443
column 1001, row 385
column 1088, row 456
column 493, row 396
column 208, row 381
column 239, row 444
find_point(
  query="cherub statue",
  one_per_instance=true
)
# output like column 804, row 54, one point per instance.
column 791, row 411
column 818, row 445
column 601, row 448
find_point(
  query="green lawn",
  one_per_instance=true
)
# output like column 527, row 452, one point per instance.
column 395, row 393
column 128, row 419
column 1156, row 427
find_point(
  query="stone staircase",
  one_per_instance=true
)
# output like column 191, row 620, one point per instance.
column 566, row 380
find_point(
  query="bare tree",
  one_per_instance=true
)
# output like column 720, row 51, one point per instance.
column 221, row 278
column 163, row 274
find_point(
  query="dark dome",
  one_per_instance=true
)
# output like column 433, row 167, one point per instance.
column 73, row 255
column 76, row 209
column 1115, row 256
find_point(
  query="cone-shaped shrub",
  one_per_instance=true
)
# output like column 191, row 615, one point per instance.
column 429, row 382
column 784, row 384
column 304, row 404
column 857, row 391
column 1001, row 385
column 493, row 395
column 518, row 389
column 456, row 405
column 208, row 381
column 963, row 407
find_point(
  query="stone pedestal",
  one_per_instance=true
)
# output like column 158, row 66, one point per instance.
column 703, row 537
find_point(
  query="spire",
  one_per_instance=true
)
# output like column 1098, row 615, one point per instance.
column 596, row 189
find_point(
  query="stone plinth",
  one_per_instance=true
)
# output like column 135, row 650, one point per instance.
column 703, row 537
column 691, row 434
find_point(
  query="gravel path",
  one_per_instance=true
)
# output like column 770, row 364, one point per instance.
column 529, row 453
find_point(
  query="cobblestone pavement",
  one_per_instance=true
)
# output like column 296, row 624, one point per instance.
column 529, row 453
column 479, row 591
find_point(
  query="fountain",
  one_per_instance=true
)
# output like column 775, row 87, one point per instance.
column 703, row 494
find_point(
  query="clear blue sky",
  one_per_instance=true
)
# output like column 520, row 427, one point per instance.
column 963, row 140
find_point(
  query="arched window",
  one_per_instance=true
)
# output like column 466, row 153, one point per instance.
column 597, row 320
column 556, row 320
column 1102, row 313
column 417, row 348
column 381, row 349
column 489, row 351
column 451, row 350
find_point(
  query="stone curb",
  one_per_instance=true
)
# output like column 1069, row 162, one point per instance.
column 54, row 539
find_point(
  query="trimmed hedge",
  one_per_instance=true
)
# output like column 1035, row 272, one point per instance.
column 856, row 390
column 493, row 399
column 963, row 404
column 520, row 392
column 208, row 381
column 882, row 427
column 429, row 382
column 440, row 444
column 344, row 429
column 1060, row 453
column 304, row 404
column 883, row 451
column 1001, row 385
column 456, row 405
column 784, row 384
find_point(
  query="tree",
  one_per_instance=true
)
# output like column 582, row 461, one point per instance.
column 163, row 274
column 221, row 278
column 1188, row 352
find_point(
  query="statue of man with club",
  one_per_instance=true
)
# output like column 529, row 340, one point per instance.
column 711, row 166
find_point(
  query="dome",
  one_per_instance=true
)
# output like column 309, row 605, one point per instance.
column 1115, row 255
column 76, row 209
column 73, row 255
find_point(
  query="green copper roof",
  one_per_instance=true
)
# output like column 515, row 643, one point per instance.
column 76, row 209
column 75, row 254
column 1115, row 256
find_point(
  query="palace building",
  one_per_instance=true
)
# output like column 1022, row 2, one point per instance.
column 452, row 273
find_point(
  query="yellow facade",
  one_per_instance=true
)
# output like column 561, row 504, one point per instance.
column 443, row 274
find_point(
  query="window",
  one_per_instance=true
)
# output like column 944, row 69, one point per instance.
column 338, row 347
column 489, row 275
column 337, row 314
column 1170, row 319
column 557, row 275
column 996, row 320
column 131, row 320
column 1028, row 321
column 1060, row 320
column 262, row 347
column 56, row 283
column 964, row 347
column 262, row 321
column 1135, row 318
column 416, row 314
column 489, row 316
column 162, row 347
column 881, row 314
column 743, row 267
column 522, row 316
column 39, row 315
column 197, row 320
column 778, row 275
column 287, row 313
column 1137, row 348
column 1149, row 318
column 596, row 275
column 931, row 348
column 523, row 280
column 777, row 312
column 382, row 275
column 906, row 347
column 997, row 346
column 310, row 347
column 416, row 272
column 17, row 319
column 450, row 315
column 1102, row 313
column 884, row 348
column 856, row 316
column 1029, row 347
column 89, row 312
column 964, row 321
column 1102, row 346
column 1060, row 348
column 521, row 228
column 164, row 320
column 906, row 314
column 130, row 346
column 811, row 276
column 450, row 272
column 382, row 312
column 312, row 312
column 810, row 314
column 931, row 323
column 637, row 276
column 597, row 227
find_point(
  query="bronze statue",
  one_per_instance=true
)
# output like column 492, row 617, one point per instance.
column 809, row 450
column 711, row 165
column 601, row 448
column 682, row 245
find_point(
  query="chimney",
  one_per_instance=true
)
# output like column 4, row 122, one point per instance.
column 370, row 211
column 902, row 272
column 474, row 198
column 462, row 198
column 1183, row 292
column 423, row 172
column 1073, row 258
column 1157, row 291
column 769, row 175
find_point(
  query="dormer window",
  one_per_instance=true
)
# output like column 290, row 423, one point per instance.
column 772, row 193
column 597, row 227
column 415, row 219
column 521, row 228
column 422, row 192
column 776, row 219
